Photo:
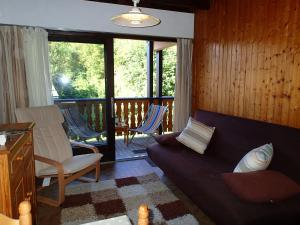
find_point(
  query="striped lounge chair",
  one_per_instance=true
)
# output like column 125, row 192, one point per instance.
column 152, row 120
column 77, row 126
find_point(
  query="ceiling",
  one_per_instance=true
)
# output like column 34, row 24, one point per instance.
column 173, row 5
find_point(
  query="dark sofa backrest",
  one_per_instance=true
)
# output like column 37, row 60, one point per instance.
column 235, row 136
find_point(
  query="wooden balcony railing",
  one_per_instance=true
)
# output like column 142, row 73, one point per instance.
column 129, row 110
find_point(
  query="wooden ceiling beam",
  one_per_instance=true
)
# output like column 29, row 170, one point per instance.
column 173, row 5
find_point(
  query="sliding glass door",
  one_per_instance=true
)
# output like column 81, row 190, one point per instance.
column 83, row 87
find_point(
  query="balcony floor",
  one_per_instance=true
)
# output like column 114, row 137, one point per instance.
column 136, row 149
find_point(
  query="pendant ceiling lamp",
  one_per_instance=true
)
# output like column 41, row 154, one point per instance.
column 135, row 18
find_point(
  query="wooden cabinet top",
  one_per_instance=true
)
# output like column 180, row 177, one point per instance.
column 16, row 126
column 18, row 131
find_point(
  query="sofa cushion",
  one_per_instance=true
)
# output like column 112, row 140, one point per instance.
column 194, row 163
column 168, row 139
column 257, row 159
column 261, row 186
column 196, row 135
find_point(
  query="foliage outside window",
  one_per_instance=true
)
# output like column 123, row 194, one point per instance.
column 169, row 71
column 130, row 62
column 77, row 69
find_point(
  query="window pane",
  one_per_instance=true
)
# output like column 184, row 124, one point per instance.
column 130, row 68
column 169, row 71
column 77, row 70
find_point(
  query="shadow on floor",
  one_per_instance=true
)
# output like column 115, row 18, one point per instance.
column 136, row 149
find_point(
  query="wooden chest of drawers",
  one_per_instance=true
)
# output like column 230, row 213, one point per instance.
column 17, row 174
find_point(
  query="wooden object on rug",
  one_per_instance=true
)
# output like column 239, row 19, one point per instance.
column 143, row 215
column 17, row 179
column 24, row 218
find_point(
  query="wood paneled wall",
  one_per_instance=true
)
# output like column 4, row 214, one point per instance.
column 247, row 60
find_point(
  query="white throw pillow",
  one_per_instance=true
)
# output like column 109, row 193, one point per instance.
column 196, row 135
column 255, row 160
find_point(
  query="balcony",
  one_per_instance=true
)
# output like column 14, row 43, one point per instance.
column 131, row 111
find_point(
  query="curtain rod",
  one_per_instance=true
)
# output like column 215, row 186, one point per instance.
column 57, row 31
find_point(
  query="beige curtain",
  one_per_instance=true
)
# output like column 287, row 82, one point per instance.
column 13, row 88
column 36, row 54
column 183, row 84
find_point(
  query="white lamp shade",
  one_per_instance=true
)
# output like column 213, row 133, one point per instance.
column 135, row 18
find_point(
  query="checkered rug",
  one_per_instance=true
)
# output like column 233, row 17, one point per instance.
column 96, row 201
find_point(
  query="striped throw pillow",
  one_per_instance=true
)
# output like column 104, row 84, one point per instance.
column 255, row 160
column 196, row 135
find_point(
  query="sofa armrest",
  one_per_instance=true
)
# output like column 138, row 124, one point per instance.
column 168, row 139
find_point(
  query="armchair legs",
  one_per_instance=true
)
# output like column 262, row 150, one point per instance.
column 63, row 181
column 95, row 179
column 97, row 175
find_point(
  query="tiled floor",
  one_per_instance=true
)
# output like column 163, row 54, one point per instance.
column 49, row 215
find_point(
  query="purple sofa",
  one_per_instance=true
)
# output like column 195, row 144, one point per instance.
column 199, row 176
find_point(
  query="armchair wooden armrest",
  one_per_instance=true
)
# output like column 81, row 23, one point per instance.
column 83, row 145
column 58, row 165
column 61, row 181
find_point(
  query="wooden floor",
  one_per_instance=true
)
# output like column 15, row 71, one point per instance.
column 135, row 149
column 50, row 215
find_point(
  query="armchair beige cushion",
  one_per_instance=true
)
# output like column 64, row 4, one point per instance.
column 51, row 141
column 53, row 152
column 73, row 165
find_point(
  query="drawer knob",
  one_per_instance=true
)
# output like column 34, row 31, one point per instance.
column 19, row 158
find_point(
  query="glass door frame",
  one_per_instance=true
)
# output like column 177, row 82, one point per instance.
column 96, row 38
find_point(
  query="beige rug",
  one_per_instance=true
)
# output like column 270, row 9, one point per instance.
column 96, row 201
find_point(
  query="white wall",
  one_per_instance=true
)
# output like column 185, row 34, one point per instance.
column 90, row 16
